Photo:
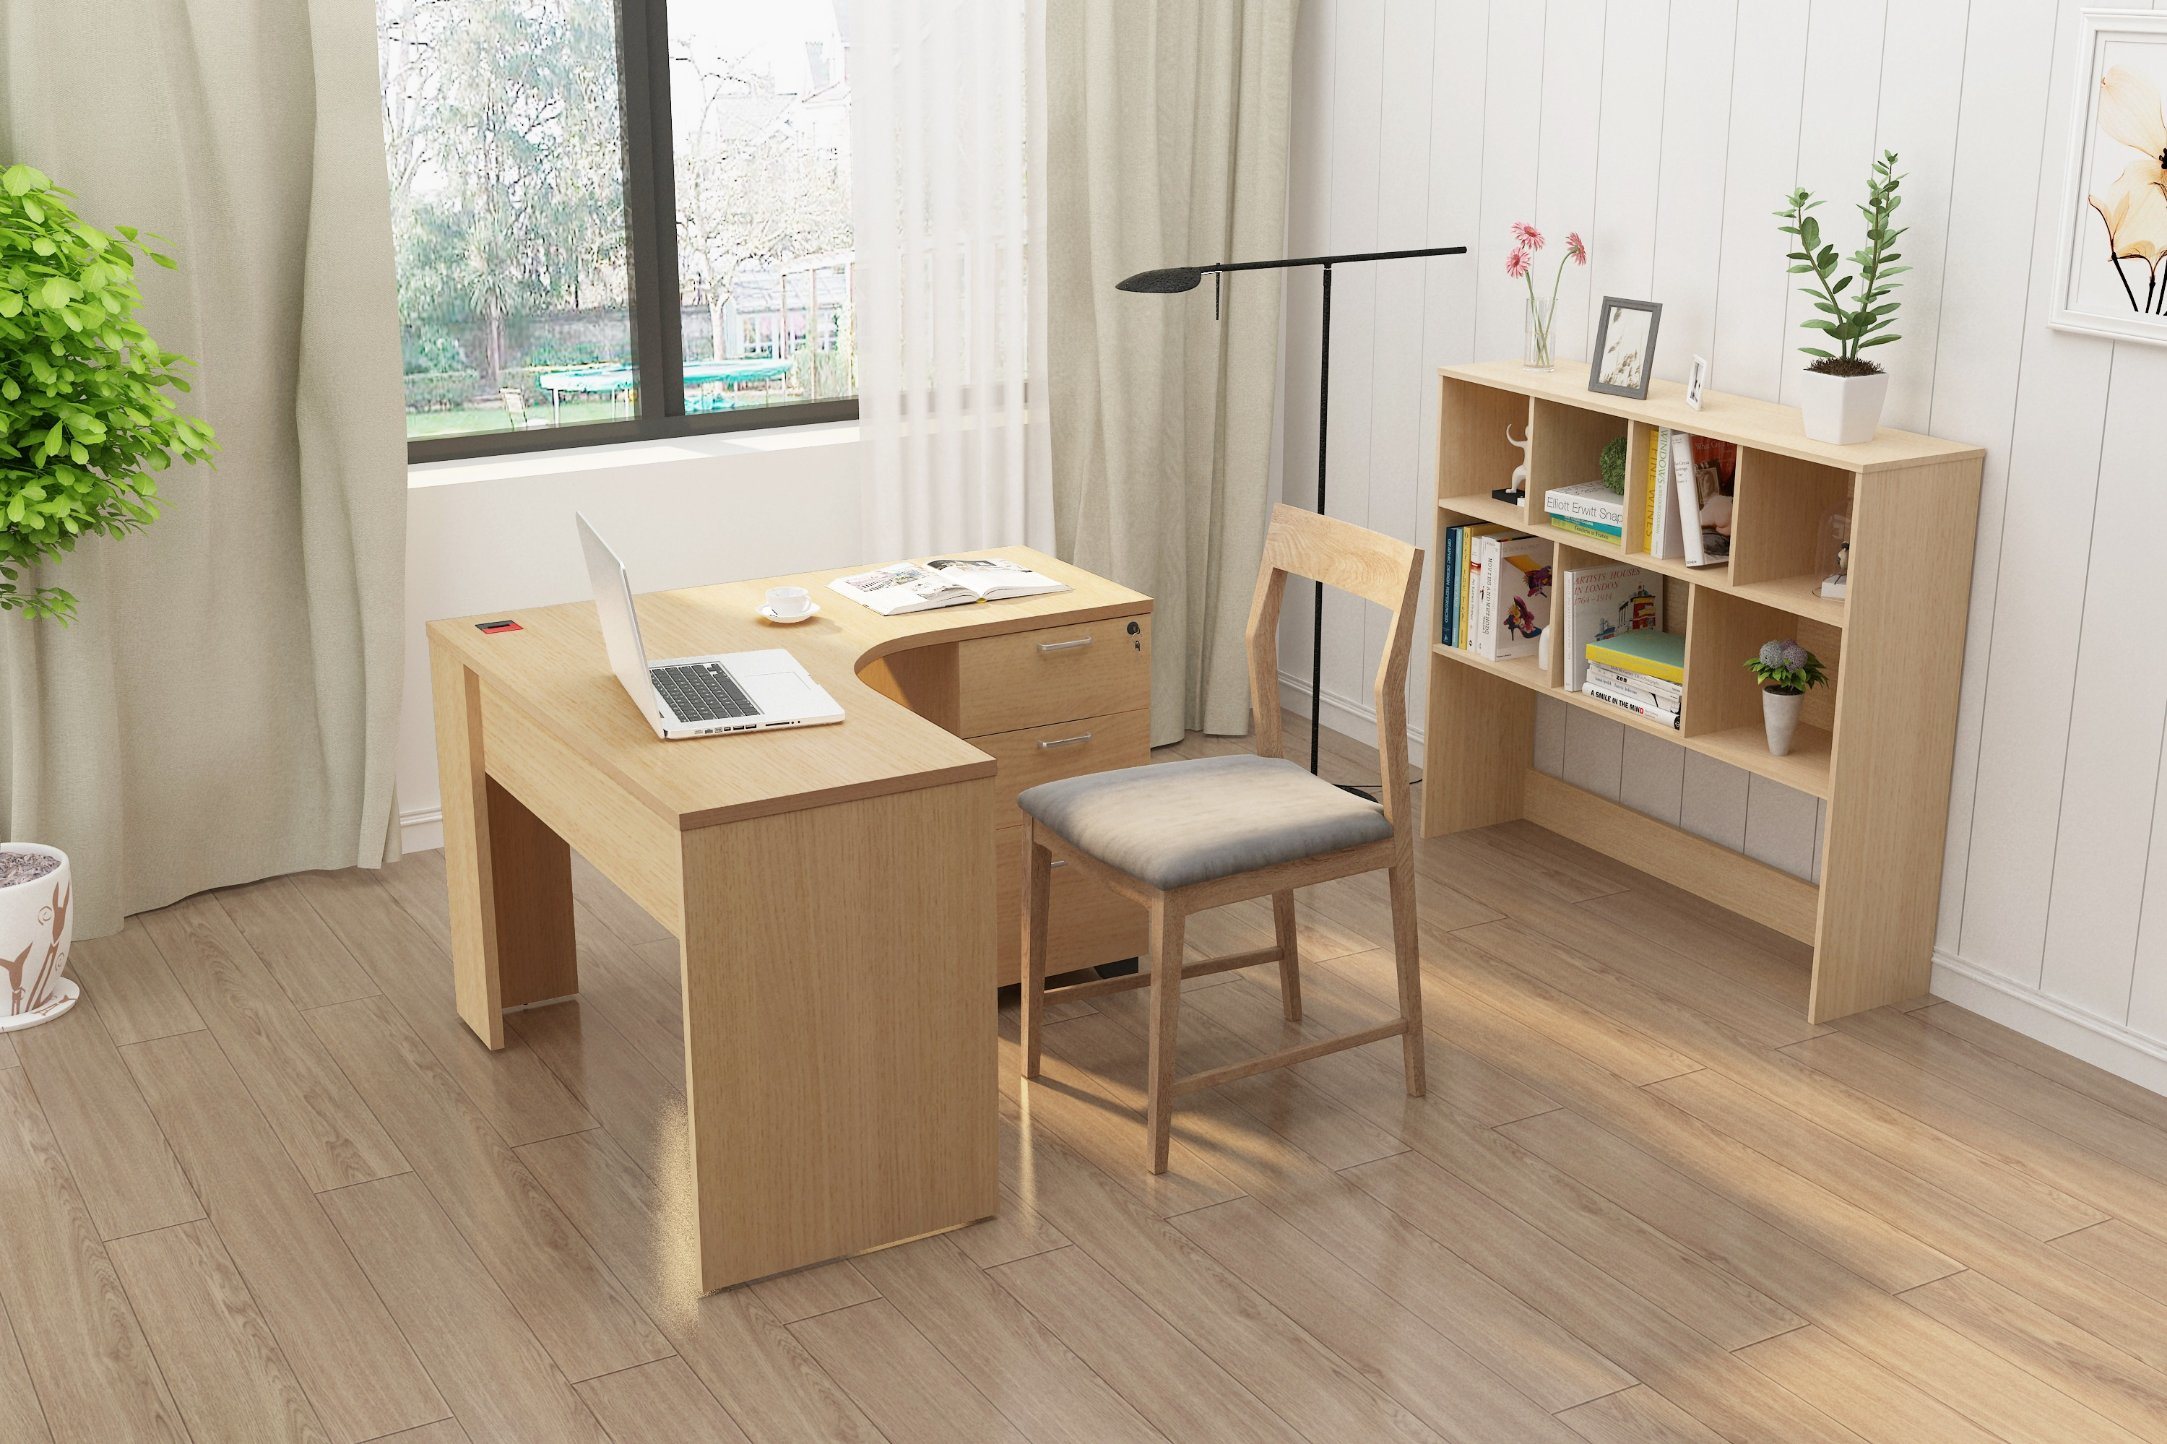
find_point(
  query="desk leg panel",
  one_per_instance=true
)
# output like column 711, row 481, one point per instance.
column 839, row 1028
column 467, row 872
column 531, row 884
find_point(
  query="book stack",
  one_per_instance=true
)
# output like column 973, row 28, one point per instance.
column 1590, row 509
column 1642, row 672
column 1598, row 601
column 1496, row 591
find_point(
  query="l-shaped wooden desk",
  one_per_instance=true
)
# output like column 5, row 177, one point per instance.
column 842, row 910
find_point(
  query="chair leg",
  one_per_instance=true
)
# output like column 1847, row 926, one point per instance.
column 1166, row 929
column 1290, row 964
column 1407, row 953
column 1037, row 887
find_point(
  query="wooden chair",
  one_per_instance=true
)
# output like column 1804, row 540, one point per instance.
column 1181, row 837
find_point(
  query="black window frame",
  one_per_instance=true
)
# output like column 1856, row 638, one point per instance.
column 650, row 187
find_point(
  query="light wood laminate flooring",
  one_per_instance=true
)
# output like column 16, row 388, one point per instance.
column 261, row 1184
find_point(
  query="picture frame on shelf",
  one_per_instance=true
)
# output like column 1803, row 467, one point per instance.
column 1696, row 382
column 1624, row 358
column 2110, row 280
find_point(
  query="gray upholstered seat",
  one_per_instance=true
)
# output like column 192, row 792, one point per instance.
column 1176, row 823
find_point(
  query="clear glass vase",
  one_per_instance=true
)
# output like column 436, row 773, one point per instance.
column 1535, row 352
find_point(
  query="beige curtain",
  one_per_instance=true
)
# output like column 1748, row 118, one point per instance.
column 945, row 119
column 1167, row 126
column 224, row 709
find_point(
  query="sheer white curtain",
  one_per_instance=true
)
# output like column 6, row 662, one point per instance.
column 947, row 134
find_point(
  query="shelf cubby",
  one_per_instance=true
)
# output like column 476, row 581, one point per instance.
column 1892, row 651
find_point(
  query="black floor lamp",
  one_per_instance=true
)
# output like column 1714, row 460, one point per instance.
column 1187, row 278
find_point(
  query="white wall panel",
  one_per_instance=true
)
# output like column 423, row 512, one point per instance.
column 2104, row 821
column 1689, row 211
column 2005, row 132
column 1510, row 166
column 1925, row 45
column 1753, row 290
column 1628, row 149
column 1572, row 87
column 2048, row 497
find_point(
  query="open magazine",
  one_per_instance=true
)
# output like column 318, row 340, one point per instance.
column 943, row 582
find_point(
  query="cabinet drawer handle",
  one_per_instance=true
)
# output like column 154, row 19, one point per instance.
column 1069, row 646
column 1058, row 862
column 1064, row 741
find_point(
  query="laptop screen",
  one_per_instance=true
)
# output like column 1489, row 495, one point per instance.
column 620, row 623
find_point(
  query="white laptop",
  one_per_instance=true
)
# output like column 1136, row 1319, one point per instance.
column 698, row 696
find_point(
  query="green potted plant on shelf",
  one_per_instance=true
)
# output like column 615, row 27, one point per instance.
column 1842, row 392
column 87, row 420
column 1786, row 672
column 1610, row 466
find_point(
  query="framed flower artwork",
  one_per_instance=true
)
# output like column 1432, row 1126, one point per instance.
column 2112, row 279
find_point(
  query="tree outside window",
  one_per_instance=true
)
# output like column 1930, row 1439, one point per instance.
column 514, row 225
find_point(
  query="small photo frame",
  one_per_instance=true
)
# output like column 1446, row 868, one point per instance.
column 1696, row 382
column 1625, row 348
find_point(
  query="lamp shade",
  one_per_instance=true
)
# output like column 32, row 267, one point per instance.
column 1163, row 283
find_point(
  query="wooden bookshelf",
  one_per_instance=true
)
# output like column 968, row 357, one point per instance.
column 1875, row 742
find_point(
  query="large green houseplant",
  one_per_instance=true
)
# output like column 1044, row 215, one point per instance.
column 86, row 420
column 87, row 416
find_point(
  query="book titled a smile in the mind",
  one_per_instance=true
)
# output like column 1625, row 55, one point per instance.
column 943, row 582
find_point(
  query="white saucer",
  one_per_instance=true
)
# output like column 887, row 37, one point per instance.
column 807, row 615
column 65, row 992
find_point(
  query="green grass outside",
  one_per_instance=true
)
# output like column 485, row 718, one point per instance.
column 473, row 420
column 468, row 420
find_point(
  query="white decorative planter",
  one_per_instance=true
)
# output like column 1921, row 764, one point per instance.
column 1780, row 713
column 36, row 926
column 1842, row 409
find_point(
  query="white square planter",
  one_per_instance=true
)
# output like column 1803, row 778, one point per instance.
column 1843, row 409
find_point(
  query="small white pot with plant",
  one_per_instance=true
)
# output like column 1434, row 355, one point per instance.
column 1787, row 672
column 1842, row 393
column 36, row 926
column 87, row 419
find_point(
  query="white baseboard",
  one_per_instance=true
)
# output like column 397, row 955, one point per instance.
column 421, row 830
column 2099, row 1041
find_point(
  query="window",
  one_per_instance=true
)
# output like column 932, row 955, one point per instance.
column 617, row 218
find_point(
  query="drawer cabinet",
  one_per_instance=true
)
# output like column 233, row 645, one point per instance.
column 1063, row 749
column 1052, row 674
column 1088, row 924
column 1045, row 703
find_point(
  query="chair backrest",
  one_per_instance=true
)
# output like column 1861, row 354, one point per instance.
column 1369, row 565
column 515, row 407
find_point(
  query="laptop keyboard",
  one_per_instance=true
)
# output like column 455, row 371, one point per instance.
column 703, row 692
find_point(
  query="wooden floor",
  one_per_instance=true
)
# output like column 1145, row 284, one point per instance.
column 261, row 1184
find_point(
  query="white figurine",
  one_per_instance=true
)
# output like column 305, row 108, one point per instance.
column 1519, row 473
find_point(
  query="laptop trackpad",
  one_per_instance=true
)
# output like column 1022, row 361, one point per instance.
column 777, row 691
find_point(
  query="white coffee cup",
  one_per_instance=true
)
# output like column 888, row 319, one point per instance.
column 789, row 601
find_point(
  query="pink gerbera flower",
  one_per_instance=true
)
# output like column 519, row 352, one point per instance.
column 1525, row 235
column 1576, row 247
column 1516, row 264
